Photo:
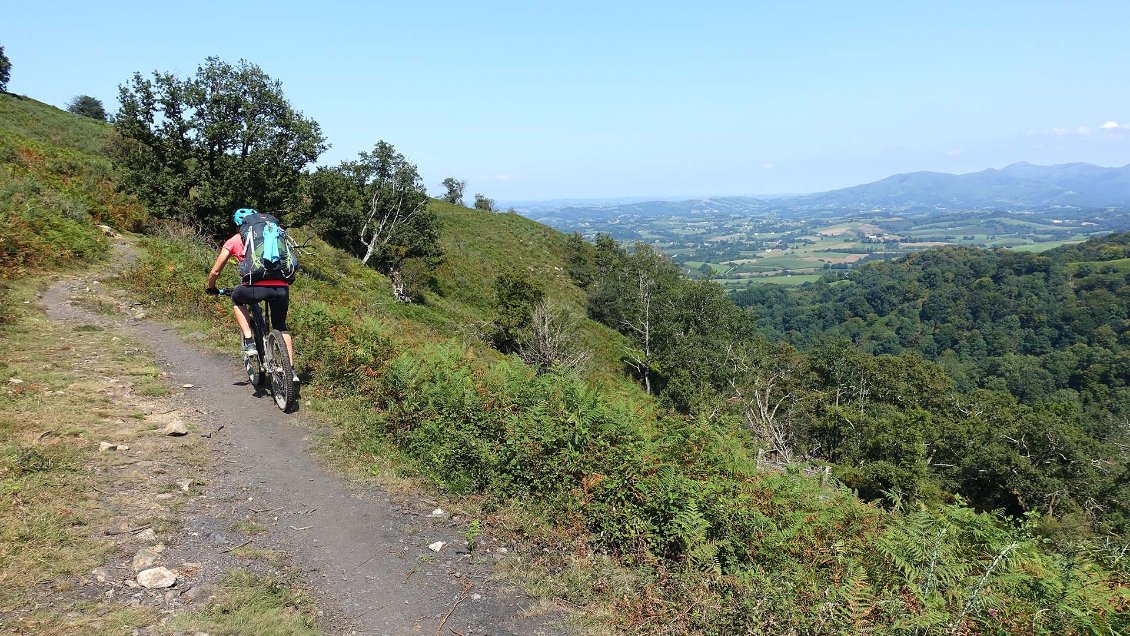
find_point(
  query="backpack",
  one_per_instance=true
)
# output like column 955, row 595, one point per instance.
column 267, row 252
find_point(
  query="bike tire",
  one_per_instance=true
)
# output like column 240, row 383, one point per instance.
column 254, row 364
column 257, row 330
column 281, row 373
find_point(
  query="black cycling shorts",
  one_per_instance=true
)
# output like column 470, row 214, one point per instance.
column 277, row 298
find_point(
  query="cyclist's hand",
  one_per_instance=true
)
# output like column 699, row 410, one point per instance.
column 211, row 291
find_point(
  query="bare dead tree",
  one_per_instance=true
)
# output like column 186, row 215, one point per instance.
column 642, row 326
column 382, row 223
column 552, row 340
column 760, row 389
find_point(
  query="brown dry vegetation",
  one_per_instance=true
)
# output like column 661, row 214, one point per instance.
column 73, row 516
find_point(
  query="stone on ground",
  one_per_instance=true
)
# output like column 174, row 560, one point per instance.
column 157, row 578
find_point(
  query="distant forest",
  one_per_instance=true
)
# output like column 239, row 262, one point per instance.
column 997, row 376
column 1050, row 331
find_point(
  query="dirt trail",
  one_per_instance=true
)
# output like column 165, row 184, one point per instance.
column 364, row 554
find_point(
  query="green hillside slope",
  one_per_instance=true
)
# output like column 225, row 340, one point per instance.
column 658, row 522
column 55, row 185
column 480, row 246
column 29, row 121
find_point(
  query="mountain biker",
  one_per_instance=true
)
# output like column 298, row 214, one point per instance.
column 276, row 293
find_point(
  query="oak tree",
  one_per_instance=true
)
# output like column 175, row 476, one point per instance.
column 199, row 147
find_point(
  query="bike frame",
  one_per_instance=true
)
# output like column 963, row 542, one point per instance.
column 259, row 318
column 265, row 368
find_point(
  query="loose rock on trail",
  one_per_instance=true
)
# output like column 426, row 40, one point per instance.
column 375, row 564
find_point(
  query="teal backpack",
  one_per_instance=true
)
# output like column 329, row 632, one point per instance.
column 268, row 254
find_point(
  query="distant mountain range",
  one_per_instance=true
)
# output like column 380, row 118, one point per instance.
column 1016, row 187
column 1021, row 185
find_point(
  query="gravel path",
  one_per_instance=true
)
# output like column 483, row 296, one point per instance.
column 364, row 554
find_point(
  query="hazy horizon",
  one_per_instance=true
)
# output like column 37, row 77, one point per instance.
column 600, row 100
column 767, row 196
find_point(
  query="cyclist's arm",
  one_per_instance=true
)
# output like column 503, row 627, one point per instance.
column 218, row 267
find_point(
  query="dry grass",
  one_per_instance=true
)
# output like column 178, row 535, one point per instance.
column 64, row 504
column 60, row 396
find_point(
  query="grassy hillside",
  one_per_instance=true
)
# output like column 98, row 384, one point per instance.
column 35, row 122
column 478, row 247
column 62, row 501
column 661, row 523
column 55, row 185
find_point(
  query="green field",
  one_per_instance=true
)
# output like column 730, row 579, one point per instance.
column 791, row 242
column 780, row 279
column 1119, row 265
column 1043, row 247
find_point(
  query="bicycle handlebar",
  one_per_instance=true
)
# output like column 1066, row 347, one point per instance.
column 212, row 291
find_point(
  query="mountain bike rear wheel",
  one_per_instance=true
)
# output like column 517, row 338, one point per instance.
column 281, row 372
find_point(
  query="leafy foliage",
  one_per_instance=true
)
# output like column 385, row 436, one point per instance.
column 581, row 256
column 375, row 207
column 1046, row 330
column 886, row 422
column 484, row 203
column 87, row 106
column 516, row 296
column 5, row 70
column 510, row 433
column 200, row 147
column 453, row 190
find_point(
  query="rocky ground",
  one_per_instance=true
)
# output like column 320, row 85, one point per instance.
column 211, row 478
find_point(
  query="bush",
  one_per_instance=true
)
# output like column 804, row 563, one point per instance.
column 35, row 237
column 760, row 550
column 343, row 354
column 87, row 106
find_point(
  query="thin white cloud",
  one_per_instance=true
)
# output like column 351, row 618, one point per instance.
column 768, row 166
column 956, row 152
column 1084, row 131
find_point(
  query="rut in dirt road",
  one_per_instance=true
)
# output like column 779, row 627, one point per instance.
column 365, row 556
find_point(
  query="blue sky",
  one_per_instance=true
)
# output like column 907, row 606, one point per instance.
column 538, row 100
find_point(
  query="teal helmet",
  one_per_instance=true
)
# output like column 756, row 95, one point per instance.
column 241, row 214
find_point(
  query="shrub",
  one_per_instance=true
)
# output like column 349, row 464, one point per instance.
column 87, row 106
column 5, row 70
column 759, row 551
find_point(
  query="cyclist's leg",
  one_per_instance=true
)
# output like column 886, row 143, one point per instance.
column 242, row 320
column 279, row 300
column 240, row 297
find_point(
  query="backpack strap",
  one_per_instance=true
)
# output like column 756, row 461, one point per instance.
column 249, row 251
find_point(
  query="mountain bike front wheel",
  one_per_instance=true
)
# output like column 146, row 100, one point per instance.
column 251, row 365
column 281, row 372
column 254, row 364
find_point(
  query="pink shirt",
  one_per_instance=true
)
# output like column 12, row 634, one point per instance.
column 235, row 246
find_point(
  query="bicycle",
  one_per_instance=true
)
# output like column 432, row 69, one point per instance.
column 271, row 359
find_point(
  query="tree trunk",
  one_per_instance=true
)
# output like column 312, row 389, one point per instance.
column 368, row 251
column 398, row 293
